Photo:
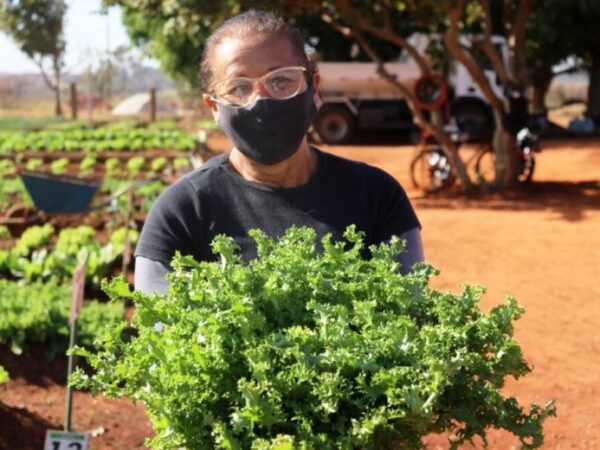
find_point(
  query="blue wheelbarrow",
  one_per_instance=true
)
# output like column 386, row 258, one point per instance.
column 57, row 194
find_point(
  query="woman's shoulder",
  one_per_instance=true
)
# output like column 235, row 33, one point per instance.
column 193, row 185
column 350, row 169
column 207, row 172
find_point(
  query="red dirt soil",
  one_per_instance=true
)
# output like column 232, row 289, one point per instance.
column 541, row 246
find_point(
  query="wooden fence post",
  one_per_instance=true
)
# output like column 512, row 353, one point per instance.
column 73, row 101
column 152, row 105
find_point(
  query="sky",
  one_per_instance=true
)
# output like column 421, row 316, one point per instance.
column 86, row 37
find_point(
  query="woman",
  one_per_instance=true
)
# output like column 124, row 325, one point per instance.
column 263, row 92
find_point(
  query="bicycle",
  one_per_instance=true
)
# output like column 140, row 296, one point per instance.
column 432, row 170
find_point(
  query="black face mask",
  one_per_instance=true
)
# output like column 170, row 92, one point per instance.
column 269, row 131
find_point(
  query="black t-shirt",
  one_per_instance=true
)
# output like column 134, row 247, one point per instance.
column 214, row 200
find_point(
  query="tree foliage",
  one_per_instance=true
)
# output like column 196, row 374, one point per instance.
column 37, row 27
column 560, row 29
column 175, row 31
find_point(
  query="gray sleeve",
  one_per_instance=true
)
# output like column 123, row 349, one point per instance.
column 414, row 250
column 150, row 276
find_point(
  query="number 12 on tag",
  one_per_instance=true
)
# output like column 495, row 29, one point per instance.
column 63, row 440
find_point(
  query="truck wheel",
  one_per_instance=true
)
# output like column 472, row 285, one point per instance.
column 473, row 119
column 334, row 124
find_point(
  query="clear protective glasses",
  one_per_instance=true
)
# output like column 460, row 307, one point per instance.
column 279, row 84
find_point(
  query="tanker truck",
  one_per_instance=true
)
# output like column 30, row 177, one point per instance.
column 357, row 99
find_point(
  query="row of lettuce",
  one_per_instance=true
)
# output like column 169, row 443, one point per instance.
column 97, row 140
column 90, row 165
column 35, row 285
column 36, row 257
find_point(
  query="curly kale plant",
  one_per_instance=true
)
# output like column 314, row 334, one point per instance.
column 313, row 349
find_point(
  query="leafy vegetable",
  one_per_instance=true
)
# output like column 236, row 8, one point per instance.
column 33, row 238
column 87, row 165
column 149, row 193
column 4, row 232
column 4, row 376
column 33, row 258
column 34, row 164
column 181, row 163
column 12, row 192
column 59, row 166
column 112, row 166
column 136, row 164
column 117, row 239
column 159, row 163
column 7, row 167
column 38, row 313
column 313, row 350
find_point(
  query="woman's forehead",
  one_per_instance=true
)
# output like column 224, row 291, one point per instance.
column 252, row 56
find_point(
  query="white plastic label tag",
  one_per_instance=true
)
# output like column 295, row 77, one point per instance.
column 63, row 440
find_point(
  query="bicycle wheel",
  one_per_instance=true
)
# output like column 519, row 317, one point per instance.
column 431, row 171
column 485, row 167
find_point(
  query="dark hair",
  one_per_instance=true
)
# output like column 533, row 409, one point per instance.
column 248, row 23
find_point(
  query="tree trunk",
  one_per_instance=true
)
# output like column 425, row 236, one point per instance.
column 540, row 89
column 57, row 105
column 437, row 126
column 593, row 98
column 507, row 158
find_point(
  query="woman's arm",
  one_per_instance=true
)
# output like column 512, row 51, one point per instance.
column 150, row 276
column 414, row 250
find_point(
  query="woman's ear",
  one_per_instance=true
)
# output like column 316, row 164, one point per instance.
column 209, row 102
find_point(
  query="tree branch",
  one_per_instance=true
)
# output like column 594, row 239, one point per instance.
column 451, row 41
column 362, row 24
column 488, row 46
column 403, row 90
column 38, row 62
column 386, row 16
column 518, row 41
column 419, row 118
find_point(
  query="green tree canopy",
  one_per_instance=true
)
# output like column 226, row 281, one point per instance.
column 559, row 29
column 174, row 31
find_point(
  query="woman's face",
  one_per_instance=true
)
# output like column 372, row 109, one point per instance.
column 252, row 56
